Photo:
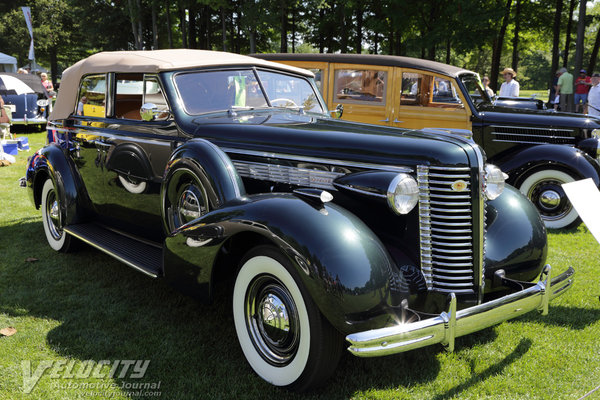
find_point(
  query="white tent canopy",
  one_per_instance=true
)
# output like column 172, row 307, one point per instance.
column 7, row 63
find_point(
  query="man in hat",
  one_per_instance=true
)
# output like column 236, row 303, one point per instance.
column 509, row 88
column 582, row 87
column 564, row 89
column 594, row 96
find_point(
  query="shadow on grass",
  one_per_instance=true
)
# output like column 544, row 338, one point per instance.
column 110, row 312
column 496, row 369
column 571, row 317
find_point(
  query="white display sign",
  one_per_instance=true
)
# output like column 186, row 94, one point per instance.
column 585, row 197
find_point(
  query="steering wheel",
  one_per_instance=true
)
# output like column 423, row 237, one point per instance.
column 282, row 99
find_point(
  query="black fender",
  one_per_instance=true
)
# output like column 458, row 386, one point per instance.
column 343, row 265
column 129, row 159
column 515, row 240
column 589, row 146
column 522, row 162
column 52, row 162
column 211, row 166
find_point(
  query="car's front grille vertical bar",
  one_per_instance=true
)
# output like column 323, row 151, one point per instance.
column 425, row 225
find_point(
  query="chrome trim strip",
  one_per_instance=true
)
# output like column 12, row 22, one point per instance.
column 361, row 191
column 520, row 141
column 532, row 128
column 286, row 174
column 449, row 325
column 317, row 160
column 425, row 225
column 110, row 253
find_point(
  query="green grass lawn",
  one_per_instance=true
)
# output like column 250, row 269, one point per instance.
column 87, row 306
column 540, row 94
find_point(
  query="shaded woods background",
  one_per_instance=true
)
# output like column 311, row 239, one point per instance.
column 534, row 37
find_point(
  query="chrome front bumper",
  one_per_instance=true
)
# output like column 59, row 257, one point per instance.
column 451, row 324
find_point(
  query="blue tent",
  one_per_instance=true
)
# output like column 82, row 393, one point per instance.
column 7, row 63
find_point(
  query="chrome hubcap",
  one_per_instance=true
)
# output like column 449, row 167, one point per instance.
column 272, row 320
column 190, row 205
column 53, row 215
column 549, row 199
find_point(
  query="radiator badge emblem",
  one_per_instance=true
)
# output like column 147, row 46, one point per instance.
column 459, row 185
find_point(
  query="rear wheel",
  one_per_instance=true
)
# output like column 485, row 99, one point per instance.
column 284, row 337
column 57, row 238
column 543, row 188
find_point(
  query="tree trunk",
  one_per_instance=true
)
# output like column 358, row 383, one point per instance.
column 448, row 51
column 568, row 34
column 140, row 27
column 359, row 26
column 154, row 27
column 515, row 53
column 133, row 25
column 343, row 28
column 594, row 54
column 293, row 29
column 284, row 25
column 555, row 43
column 182, row 25
column 497, row 47
column 169, row 28
column 192, row 14
column 223, row 29
column 320, row 33
column 580, row 36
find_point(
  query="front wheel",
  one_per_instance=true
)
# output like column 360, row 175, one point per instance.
column 57, row 238
column 543, row 188
column 284, row 337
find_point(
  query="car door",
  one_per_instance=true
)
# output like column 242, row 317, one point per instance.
column 137, row 152
column 427, row 100
column 363, row 90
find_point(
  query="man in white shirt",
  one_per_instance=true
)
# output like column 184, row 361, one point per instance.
column 510, row 88
column 594, row 96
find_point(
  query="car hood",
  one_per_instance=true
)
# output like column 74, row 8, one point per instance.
column 516, row 116
column 304, row 135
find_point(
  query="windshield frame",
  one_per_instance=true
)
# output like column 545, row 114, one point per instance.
column 485, row 100
column 254, row 69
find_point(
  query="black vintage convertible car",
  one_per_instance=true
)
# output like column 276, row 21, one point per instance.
column 198, row 167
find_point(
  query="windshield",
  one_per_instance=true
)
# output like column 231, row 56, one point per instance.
column 475, row 89
column 213, row 91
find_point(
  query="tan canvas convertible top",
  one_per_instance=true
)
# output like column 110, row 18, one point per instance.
column 147, row 62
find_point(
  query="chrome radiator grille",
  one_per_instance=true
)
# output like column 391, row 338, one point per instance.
column 446, row 228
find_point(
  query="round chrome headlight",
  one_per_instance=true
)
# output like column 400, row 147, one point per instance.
column 494, row 181
column 403, row 194
column 596, row 133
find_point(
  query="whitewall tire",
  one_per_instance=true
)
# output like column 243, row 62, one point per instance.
column 57, row 238
column 282, row 334
column 543, row 189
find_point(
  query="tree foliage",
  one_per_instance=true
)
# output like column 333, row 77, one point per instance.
column 482, row 35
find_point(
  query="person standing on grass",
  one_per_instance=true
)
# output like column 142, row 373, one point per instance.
column 582, row 87
column 594, row 96
column 564, row 89
column 509, row 88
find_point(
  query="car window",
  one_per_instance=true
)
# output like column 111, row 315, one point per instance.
column 360, row 86
column 134, row 90
column 426, row 90
column 289, row 91
column 92, row 96
column 213, row 91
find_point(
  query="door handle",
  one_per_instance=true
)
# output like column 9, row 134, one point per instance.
column 384, row 120
column 397, row 122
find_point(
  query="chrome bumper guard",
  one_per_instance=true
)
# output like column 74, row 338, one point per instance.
column 451, row 324
column 29, row 121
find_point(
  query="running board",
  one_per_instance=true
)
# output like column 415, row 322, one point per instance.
column 141, row 256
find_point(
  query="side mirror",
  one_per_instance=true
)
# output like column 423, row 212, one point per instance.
column 338, row 112
column 150, row 112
